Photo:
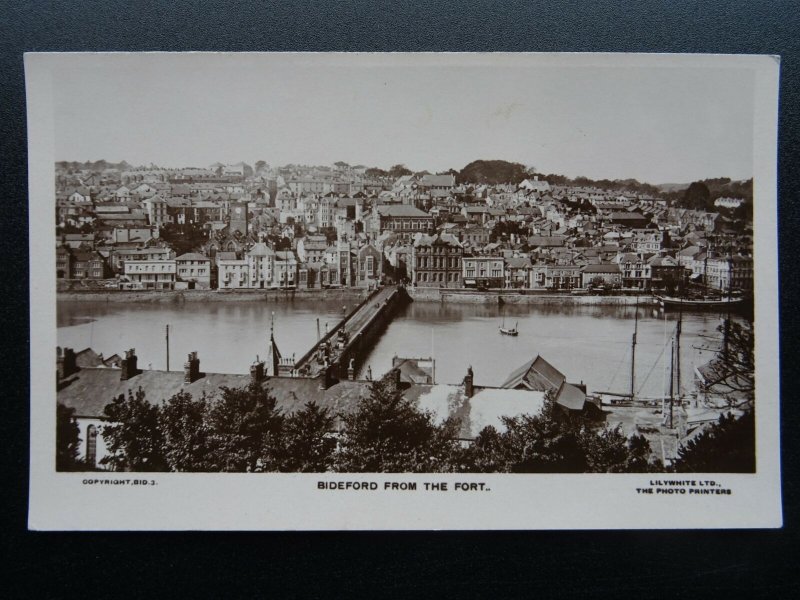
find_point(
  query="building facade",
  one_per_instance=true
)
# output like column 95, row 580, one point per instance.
column 483, row 271
column 437, row 261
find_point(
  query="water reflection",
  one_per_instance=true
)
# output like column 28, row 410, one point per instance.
column 587, row 343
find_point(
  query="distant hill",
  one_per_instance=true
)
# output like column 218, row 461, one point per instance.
column 97, row 165
column 672, row 187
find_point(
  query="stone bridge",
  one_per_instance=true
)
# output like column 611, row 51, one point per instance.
column 340, row 354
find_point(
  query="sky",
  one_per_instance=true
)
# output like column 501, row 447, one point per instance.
column 657, row 124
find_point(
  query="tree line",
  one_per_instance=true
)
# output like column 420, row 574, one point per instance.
column 242, row 430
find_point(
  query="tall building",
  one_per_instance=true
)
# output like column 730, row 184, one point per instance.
column 436, row 261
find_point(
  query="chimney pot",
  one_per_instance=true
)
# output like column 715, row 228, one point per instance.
column 129, row 367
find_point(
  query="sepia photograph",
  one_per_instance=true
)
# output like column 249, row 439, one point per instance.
column 488, row 276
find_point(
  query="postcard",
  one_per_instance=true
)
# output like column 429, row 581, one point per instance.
column 392, row 291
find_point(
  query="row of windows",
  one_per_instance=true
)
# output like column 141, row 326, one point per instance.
column 192, row 271
column 410, row 224
column 437, row 262
column 153, row 277
column 438, row 277
column 471, row 264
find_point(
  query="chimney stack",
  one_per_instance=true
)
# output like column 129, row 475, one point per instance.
column 65, row 362
column 191, row 368
column 257, row 371
column 396, row 378
column 327, row 379
column 469, row 387
column 129, row 368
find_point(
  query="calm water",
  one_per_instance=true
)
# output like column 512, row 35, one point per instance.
column 590, row 344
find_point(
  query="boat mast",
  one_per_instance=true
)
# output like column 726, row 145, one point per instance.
column 633, row 349
column 671, row 382
column 678, row 349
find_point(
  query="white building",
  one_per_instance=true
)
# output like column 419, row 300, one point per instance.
column 261, row 266
column 152, row 274
column 233, row 274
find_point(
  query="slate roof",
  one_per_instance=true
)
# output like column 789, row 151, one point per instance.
column 546, row 240
column 536, row 374
column 192, row 256
column 260, row 249
column 602, row 268
column 400, row 210
column 90, row 389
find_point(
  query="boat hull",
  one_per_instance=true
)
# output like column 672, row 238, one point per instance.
column 685, row 304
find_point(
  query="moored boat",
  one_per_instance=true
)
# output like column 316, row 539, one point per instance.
column 670, row 302
column 509, row 330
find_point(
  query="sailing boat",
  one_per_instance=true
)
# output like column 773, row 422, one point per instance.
column 632, row 397
column 708, row 301
column 512, row 331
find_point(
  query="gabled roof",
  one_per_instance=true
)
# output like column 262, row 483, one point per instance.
column 437, row 180
column 260, row 249
column 536, row 374
column 518, row 262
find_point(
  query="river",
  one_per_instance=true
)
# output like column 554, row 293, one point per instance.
column 587, row 343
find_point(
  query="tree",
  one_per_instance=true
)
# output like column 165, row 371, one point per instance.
column 731, row 373
column 186, row 433
column 133, row 437
column 260, row 165
column 728, row 446
column 242, row 422
column 610, row 451
column 303, row 444
column 553, row 441
column 493, row 172
column 399, row 171
column 697, row 196
column 387, row 433
column 374, row 172
column 67, row 439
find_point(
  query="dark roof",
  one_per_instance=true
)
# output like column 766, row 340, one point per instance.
column 602, row 268
column 624, row 216
column 90, row 389
column 546, row 240
column 570, row 396
column 400, row 210
column 536, row 374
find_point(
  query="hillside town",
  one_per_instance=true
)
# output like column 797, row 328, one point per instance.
column 241, row 227
column 393, row 236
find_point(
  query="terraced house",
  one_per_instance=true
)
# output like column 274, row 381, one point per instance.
column 484, row 271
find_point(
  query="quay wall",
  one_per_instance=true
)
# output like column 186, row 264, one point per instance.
column 181, row 296
column 547, row 298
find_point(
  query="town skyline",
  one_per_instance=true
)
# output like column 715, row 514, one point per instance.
column 655, row 125
column 532, row 169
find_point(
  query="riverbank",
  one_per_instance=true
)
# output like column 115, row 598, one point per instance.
column 181, row 296
column 548, row 298
column 459, row 296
